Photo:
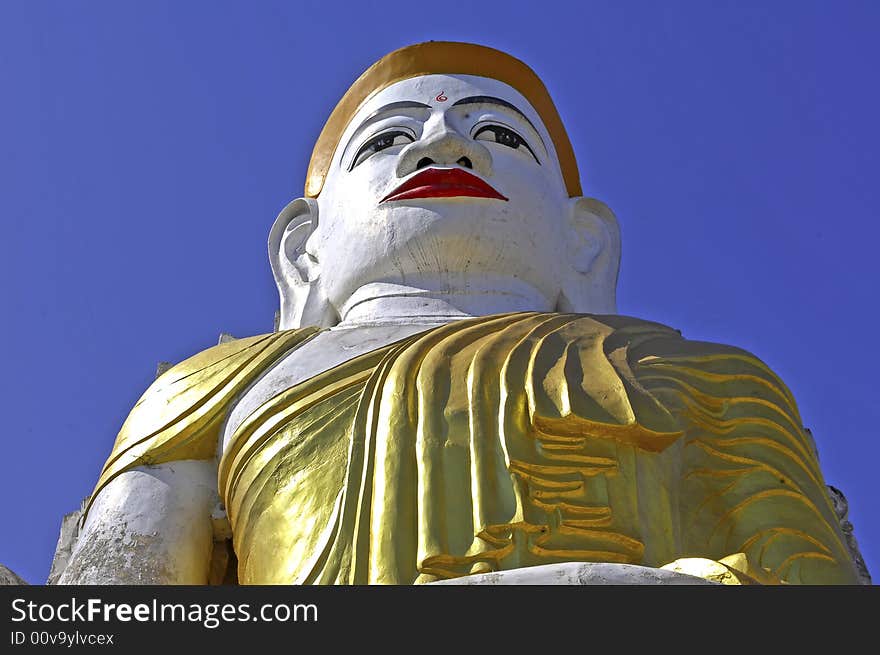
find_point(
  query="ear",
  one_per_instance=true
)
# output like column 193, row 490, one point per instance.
column 297, row 273
column 593, row 256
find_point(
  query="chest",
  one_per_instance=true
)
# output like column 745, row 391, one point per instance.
column 322, row 352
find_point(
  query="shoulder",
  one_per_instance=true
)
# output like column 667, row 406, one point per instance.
column 211, row 376
column 648, row 341
column 660, row 354
column 178, row 416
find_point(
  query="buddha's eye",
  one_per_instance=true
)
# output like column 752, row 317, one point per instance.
column 381, row 142
column 504, row 136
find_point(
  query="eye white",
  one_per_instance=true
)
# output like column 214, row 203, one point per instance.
column 502, row 135
column 380, row 142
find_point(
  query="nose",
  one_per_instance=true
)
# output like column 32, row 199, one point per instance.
column 443, row 145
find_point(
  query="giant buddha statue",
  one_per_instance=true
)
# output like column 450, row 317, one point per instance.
column 450, row 391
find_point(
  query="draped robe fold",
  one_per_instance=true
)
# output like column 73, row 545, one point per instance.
column 500, row 442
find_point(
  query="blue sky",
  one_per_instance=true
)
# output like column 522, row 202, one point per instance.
column 147, row 147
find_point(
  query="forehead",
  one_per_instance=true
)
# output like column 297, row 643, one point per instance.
column 431, row 89
column 441, row 92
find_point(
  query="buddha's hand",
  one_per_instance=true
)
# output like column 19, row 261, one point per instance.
column 731, row 570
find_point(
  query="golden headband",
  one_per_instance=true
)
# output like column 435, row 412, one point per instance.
column 442, row 57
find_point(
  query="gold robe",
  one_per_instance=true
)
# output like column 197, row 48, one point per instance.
column 500, row 442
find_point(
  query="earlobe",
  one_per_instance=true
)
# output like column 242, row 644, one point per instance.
column 297, row 272
column 593, row 253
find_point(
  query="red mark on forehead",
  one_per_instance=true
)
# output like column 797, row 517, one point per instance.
column 441, row 98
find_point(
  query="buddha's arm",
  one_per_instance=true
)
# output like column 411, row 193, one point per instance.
column 149, row 518
column 149, row 525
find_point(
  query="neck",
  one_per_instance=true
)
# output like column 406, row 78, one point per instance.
column 381, row 302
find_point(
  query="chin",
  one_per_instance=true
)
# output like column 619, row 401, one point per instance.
column 462, row 225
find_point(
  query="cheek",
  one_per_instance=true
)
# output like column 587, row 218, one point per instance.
column 370, row 181
column 520, row 175
column 363, row 186
column 535, row 200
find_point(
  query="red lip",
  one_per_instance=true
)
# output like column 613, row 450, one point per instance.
column 443, row 183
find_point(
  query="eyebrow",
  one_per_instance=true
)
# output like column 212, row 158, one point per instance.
column 491, row 100
column 404, row 104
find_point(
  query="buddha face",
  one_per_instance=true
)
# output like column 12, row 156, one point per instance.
column 447, row 183
column 442, row 181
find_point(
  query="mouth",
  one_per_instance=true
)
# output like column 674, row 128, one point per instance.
column 443, row 183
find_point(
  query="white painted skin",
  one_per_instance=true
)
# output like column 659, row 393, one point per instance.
column 150, row 525
column 464, row 250
column 376, row 272
column 350, row 258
